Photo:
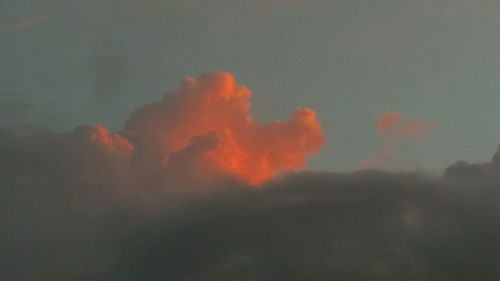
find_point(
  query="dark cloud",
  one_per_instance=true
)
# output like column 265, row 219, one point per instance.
column 63, row 225
column 465, row 172
column 313, row 226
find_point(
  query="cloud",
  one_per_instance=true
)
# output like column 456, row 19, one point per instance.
column 396, row 125
column 319, row 226
column 396, row 129
column 197, row 137
column 207, row 123
column 61, row 193
column 323, row 226
column 96, row 151
column 463, row 172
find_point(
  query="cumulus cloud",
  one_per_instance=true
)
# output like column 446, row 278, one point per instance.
column 206, row 122
column 395, row 129
column 198, row 136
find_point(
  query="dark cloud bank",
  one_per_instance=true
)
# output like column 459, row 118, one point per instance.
column 68, row 221
column 73, row 209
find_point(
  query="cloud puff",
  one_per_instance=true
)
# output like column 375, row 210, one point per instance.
column 206, row 122
column 95, row 152
column 396, row 129
column 396, row 125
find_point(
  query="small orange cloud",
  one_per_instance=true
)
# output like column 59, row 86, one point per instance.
column 396, row 129
column 389, row 120
column 396, row 125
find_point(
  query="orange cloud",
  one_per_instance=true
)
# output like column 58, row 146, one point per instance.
column 395, row 129
column 206, row 128
column 99, row 137
column 394, row 124
column 93, row 150
column 389, row 120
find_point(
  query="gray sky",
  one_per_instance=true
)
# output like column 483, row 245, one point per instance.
column 68, row 62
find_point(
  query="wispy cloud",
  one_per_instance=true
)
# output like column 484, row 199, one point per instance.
column 396, row 129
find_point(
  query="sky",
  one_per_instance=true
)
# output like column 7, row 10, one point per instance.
column 249, row 140
column 66, row 63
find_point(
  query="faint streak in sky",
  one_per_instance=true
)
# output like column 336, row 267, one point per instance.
column 24, row 22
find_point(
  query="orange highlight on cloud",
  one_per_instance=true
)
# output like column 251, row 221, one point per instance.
column 204, row 130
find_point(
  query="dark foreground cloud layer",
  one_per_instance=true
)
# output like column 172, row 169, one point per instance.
column 78, row 220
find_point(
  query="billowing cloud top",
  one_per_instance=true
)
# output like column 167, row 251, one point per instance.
column 205, row 127
column 198, row 136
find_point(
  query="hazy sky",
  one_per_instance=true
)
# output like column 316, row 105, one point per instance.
column 191, row 187
column 68, row 62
